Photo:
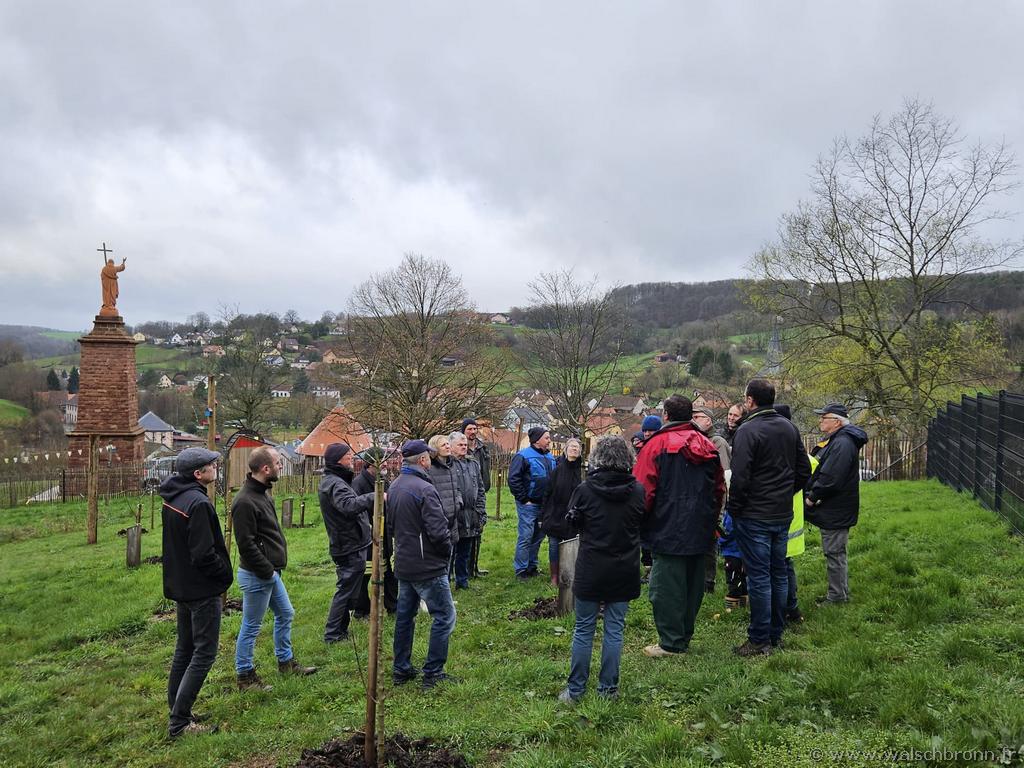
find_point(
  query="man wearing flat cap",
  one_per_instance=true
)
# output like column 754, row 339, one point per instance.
column 347, row 520
column 423, row 550
column 832, row 495
column 703, row 420
column 528, row 476
column 197, row 571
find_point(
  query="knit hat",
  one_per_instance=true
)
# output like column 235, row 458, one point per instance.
column 414, row 448
column 536, row 433
column 467, row 422
column 191, row 459
column 334, row 453
column 651, row 423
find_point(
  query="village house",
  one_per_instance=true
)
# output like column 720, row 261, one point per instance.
column 213, row 350
column 139, row 337
column 282, row 391
column 157, row 430
column 165, row 382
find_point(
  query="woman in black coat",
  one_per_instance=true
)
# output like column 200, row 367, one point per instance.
column 607, row 509
column 567, row 474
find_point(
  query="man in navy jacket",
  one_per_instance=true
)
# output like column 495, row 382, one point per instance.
column 528, row 476
column 423, row 549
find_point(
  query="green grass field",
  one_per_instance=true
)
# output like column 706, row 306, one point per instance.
column 63, row 335
column 11, row 413
column 146, row 357
column 929, row 655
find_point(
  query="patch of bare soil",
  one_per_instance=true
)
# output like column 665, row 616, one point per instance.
column 542, row 608
column 399, row 751
column 154, row 560
column 124, row 531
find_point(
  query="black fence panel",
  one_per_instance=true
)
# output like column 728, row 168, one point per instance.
column 977, row 445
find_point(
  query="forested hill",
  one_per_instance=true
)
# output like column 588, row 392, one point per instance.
column 670, row 305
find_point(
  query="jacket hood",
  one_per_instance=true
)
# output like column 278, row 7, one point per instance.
column 445, row 463
column 175, row 485
column 694, row 445
column 858, row 435
column 612, row 484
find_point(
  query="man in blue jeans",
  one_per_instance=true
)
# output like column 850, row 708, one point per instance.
column 528, row 476
column 196, row 573
column 423, row 549
column 769, row 465
column 263, row 554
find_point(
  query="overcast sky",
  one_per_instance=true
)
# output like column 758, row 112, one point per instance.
column 272, row 155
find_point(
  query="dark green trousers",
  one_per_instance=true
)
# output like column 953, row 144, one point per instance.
column 676, row 592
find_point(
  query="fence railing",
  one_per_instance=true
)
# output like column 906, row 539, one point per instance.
column 977, row 445
column 60, row 484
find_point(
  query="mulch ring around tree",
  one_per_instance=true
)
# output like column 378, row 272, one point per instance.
column 542, row 608
column 124, row 531
column 167, row 612
column 399, row 751
column 154, row 560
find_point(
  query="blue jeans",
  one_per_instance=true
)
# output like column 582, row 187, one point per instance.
column 529, row 539
column 257, row 595
column 583, row 646
column 437, row 595
column 463, row 549
column 553, row 542
column 764, row 557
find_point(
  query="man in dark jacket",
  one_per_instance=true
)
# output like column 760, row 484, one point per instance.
column 263, row 554
column 703, row 419
column 473, row 516
column 528, row 476
column 477, row 451
column 423, row 548
column 197, row 571
column 346, row 517
column 769, row 465
column 832, row 496
column 684, row 485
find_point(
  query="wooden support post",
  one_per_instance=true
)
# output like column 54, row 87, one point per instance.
column 211, row 432
column 93, row 490
column 302, row 514
column 286, row 513
column 372, row 732
column 497, row 509
column 567, row 552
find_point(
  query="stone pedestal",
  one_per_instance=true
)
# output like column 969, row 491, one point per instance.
column 108, row 396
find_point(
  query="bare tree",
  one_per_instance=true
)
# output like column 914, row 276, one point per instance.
column 894, row 220
column 245, row 377
column 573, row 351
column 421, row 359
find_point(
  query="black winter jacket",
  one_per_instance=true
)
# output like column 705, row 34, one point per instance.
column 566, row 476
column 346, row 514
column 195, row 560
column 608, row 508
column 473, row 516
column 262, row 548
column 835, row 485
column 442, row 475
column 481, row 454
column 423, row 540
column 769, row 465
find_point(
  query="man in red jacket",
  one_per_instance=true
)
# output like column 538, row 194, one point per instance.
column 684, row 486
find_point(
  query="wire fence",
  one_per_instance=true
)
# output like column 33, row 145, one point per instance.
column 978, row 446
column 62, row 484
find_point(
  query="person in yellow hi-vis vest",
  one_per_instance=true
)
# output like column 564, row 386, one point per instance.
column 795, row 545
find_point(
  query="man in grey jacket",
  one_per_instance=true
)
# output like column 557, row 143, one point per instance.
column 346, row 517
column 473, row 516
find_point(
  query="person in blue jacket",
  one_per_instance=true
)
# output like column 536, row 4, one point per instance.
column 528, row 477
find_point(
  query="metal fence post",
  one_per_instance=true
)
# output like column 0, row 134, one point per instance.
column 1000, row 422
column 976, row 485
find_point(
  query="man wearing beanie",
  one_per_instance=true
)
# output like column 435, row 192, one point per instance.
column 528, row 480
column 650, row 425
column 197, row 571
column 262, row 555
column 346, row 517
column 477, row 450
column 423, row 549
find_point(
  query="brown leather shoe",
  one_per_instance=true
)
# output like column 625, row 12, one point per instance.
column 250, row 681
column 292, row 667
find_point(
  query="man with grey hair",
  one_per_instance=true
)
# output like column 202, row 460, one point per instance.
column 423, row 548
column 832, row 496
column 703, row 419
column 473, row 516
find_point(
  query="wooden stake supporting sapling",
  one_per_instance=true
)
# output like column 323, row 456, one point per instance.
column 373, row 754
column 286, row 513
column 133, row 556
